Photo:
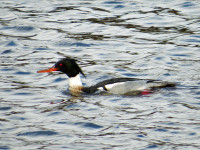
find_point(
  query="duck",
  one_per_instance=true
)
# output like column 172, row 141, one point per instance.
column 119, row 86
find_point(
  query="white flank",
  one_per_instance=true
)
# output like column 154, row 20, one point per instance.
column 110, row 86
column 75, row 81
column 125, row 87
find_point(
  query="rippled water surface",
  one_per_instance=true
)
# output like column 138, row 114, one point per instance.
column 130, row 38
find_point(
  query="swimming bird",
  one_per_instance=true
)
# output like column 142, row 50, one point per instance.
column 119, row 86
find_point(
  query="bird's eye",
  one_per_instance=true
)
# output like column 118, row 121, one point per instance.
column 60, row 64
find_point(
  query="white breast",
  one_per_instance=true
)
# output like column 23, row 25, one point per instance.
column 75, row 81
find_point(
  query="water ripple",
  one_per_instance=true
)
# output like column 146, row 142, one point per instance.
column 140, row 39
column 38, row 133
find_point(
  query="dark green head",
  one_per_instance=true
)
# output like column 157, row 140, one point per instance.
column 67, row 66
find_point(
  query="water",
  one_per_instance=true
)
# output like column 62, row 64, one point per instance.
column 142, row 39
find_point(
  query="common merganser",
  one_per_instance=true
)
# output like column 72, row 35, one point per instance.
column 119, row 86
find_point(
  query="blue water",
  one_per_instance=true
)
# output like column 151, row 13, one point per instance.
column 140, row 39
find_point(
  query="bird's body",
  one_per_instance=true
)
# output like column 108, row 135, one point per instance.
column 126, row 85
column 114, row 86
